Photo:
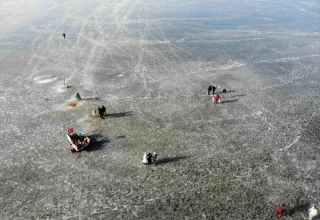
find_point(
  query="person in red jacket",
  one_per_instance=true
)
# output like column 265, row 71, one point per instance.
column 216, row 98
column 280, row 211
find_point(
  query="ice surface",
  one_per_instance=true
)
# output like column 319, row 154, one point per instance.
column 150, row 63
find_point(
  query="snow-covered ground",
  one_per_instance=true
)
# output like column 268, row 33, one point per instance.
column 150, row 63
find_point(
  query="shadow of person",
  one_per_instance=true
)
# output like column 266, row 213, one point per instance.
column 298, row 208
column 92, row 99
column 230, row 91
column 240, row 95
column 170, row 159
column 116, row 115
column 97, row 142
column 228, row 101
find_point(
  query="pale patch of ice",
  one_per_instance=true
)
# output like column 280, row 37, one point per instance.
column 230, row 65
column 83, row 119
column 44, row 79
column 3, row 98
column 286, row 59
column 62, row 88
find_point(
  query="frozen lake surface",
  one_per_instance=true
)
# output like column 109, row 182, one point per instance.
column 150, row 63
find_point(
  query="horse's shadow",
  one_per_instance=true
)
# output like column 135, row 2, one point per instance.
column 117, row 115
column 97, row 142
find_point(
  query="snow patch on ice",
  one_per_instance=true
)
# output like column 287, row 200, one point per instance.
column 44, row 79
column 286, row 59
column 3, row 99
column 62, row 88
column 83, row 119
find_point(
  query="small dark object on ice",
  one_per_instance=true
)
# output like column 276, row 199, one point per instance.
column 224, row 91
column 64, row 35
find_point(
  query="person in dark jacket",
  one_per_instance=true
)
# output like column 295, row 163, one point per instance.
column 213, row 89
column 77, row 96
column 149, row 156
column 103, row 110
column 100, row 112
column 209, row 89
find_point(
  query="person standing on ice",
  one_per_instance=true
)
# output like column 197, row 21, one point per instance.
column 149, row 156
column 144, row 159
column 64, row 35
column 214, row 89
column 312, row 212
column 216, row 98
column 209, row 89
column 100, row 112
column 280, row 211
column 103, row 110
column 154, row 158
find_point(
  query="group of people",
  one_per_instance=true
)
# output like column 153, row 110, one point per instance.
column 78, row 142
column 280, row 211
column 217, row 97
column 212, row 88
column 149, row 158
column 102, row 111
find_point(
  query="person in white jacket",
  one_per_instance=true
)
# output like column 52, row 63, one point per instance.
column 144, row 159
column 312, row 212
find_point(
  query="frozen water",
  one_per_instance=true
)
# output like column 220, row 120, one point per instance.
column 150, row 63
